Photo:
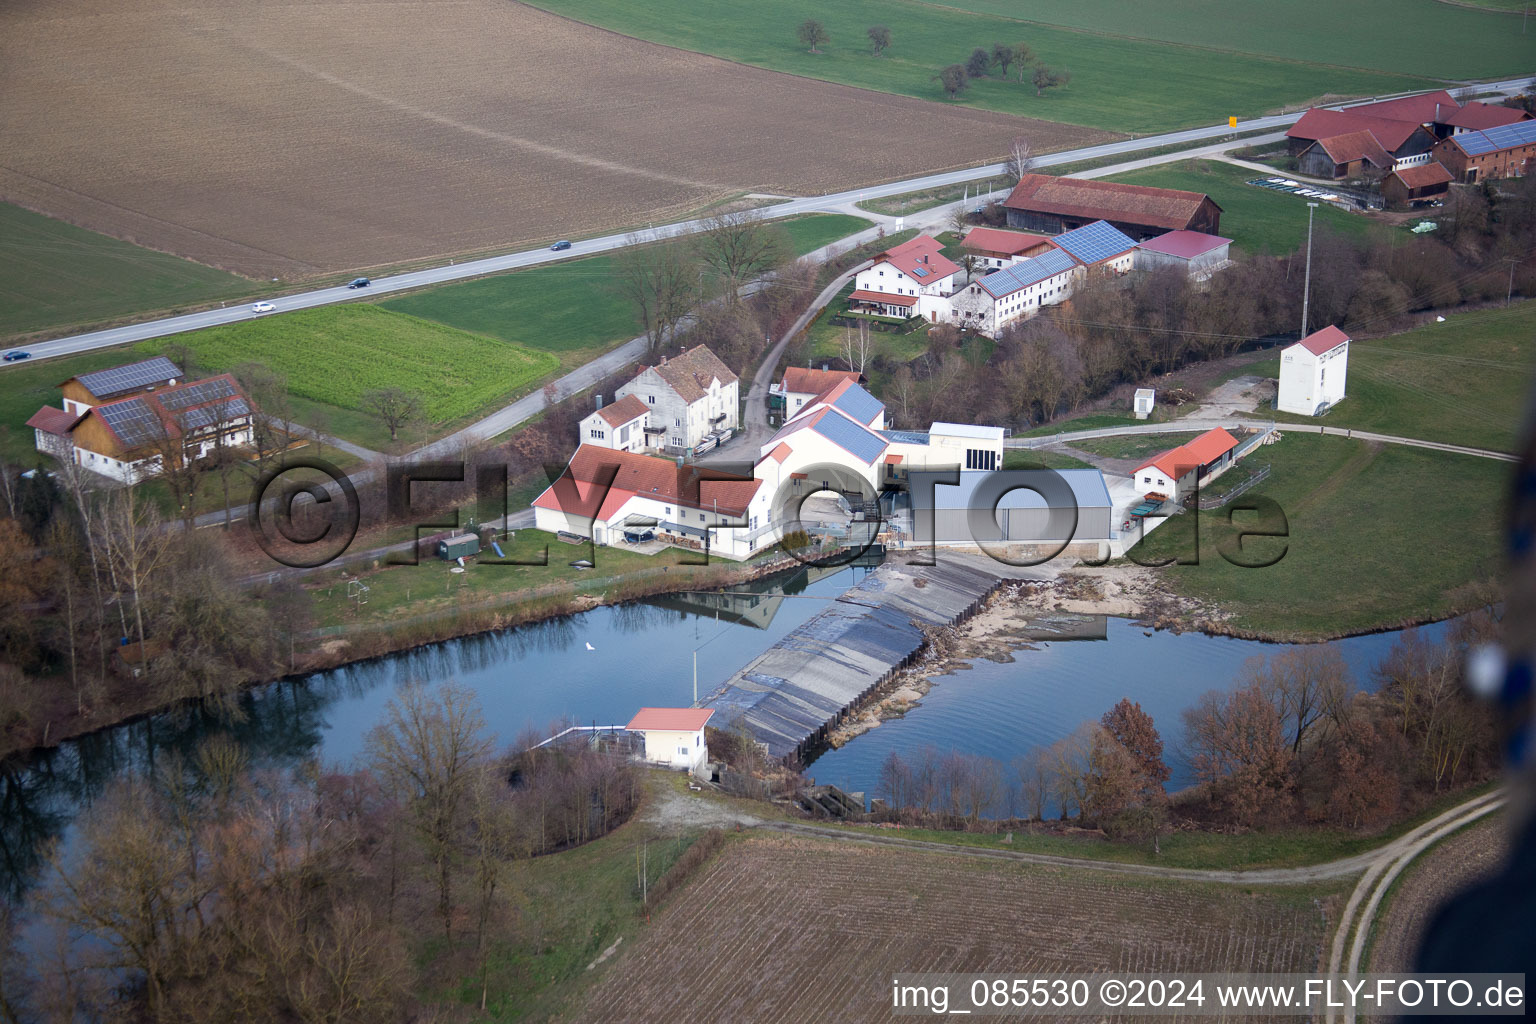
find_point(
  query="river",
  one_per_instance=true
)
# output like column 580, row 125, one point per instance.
column 599, row 666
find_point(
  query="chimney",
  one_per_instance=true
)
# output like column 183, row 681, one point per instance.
column 599, row 404
column 823, row 367
column 679, row 462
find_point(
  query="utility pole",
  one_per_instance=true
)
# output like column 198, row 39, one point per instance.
column 1306, row 287
column 1513, row 261
column 695, row 676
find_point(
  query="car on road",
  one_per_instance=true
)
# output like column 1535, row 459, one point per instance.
column 561, row 245
column 17, row 356
column 359, row 282
column 262, row 307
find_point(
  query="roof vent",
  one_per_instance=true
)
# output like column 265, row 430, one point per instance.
column 823, row 367
column 599, row 399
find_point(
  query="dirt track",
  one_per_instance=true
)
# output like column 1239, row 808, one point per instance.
column 280, row 139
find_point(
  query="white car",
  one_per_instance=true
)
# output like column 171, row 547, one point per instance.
column 262, row 307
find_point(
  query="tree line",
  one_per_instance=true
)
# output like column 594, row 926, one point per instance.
column 1296, row 742
column 212, row 889
column 999, row 61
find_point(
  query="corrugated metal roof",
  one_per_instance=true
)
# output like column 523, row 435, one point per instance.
column 1021, row 275
column 1085, row 485
column 1184, row 244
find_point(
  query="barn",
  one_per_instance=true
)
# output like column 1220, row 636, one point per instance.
column 1417, row 184
column 1040, row 202
column 1195, row 253
column 1508, row 151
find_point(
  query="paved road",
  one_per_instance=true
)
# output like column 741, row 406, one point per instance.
column 1185, row 426
column 514, row 261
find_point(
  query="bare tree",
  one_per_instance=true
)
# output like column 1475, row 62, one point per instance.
column 137, row 547
column 954, row 79
column 396, row 408
column 1306, row 683
column 879, row 39
column 738, row 246
column 856, row 346
column 1020, row 159
column 1034, row 772
column 813, row 34
column 1003, row 56
column 1043, row 78
column 978, row 63
column 1025, row 58
column 1069, row 760
column 660, row 279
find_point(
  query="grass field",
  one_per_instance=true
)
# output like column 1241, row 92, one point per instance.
column 1254, row 218
column 53, row 273
column 1017, row 458
column 1175, row 85
column 1465, row 381
column 572, row 309
column 1132, row 446
column 1377, row 535
column 334, row 354
column 1468, row 43
column 306, row 141
column 799, row 929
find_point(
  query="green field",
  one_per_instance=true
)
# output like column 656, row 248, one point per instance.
column 1465, row 381
column 54, row 274
column 1254, row 218
column 1378, row 535
column 334, row 354
column 572, row 308
column 1133, row 446
column 1119, row 83
column 1467, row 43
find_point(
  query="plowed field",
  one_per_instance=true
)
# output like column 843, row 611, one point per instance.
column 279, row 139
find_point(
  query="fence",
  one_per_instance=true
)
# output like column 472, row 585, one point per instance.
column 1206, row 504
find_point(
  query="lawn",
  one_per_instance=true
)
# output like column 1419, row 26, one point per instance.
column 1092, row 421
column 1468, row 43
column 334, row 354
column 53, row 274
column 1175, row 85
column 1037, row 458
column 1133, row 446
column 572, row 309
column 1254, row 218
column 1465, row 381
column 1378, row 535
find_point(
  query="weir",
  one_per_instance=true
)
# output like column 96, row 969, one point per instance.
column 794, row 694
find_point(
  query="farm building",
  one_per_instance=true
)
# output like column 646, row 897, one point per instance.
column 604, row 492
column 1313, row 372
column 1349, row 155
column 802, row 384
column 990, row 303
column 912, row 279
column 1176, row 472
column 691, row 398
column 619, row 425
column 1030, row 506
column 1195, row 253
column 130, row 436
column 1508, row 151
column 1040, row 202
column 1416, row 184
column 1401, row 127
column 1475, row 116
column 995, row 248
column 674, row 737
column 1098, row 245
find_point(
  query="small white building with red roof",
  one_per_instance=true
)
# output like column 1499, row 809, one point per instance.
column 618, row 425
column 801, row 385
column 1195, row 253
column 1313, row 372
column 912, row 279
column 1174, row 473
column 674, row 737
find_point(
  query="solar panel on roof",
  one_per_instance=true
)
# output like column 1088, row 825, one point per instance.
column 132, row 421
column 119, row 379
column 1094, row 242
column 859, row 404
column 1021, row 275
column 850, row 437
column 1504, row 136
column 197, row 393
column 919, row 272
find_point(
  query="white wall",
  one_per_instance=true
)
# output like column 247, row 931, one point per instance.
column 685, row 751
column 1308, row 381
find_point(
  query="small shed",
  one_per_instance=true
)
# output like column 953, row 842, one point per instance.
column 1196, row 253
column 674, row 737
column 1174, row 473
column 462, row 546
column 1418, row 184
column 1144, row 402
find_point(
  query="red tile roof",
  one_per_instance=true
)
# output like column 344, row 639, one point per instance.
column 920, row 254
column 1185, row 244
column 670, row 719
column 625, row 409
column 1352, row 146
column 780, row 453
column 1419, row 109
column 1423, row 175
column 1478, row 116
column 1106, row 200
column 805, row 381
column 581, row 490
column 1320, row 123
column 1202, row 451
column 889, row 299
column 1005, row 243
column 53, row 421
column 1325, row 340
column 690, row 373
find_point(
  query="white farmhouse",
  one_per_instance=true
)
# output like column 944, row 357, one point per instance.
column 1313, row 372
column 674, row 737
column 691, row 398
column 619, row 425
column 912, row 279
column 1015, row 292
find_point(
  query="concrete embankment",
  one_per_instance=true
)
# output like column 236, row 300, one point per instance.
column 794, row 694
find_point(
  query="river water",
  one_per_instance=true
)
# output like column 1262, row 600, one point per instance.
column 598, row 667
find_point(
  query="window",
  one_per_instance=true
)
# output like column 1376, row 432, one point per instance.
column 677, row 423
column 684, row 751
column 598, row 434
column 1146, row 479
